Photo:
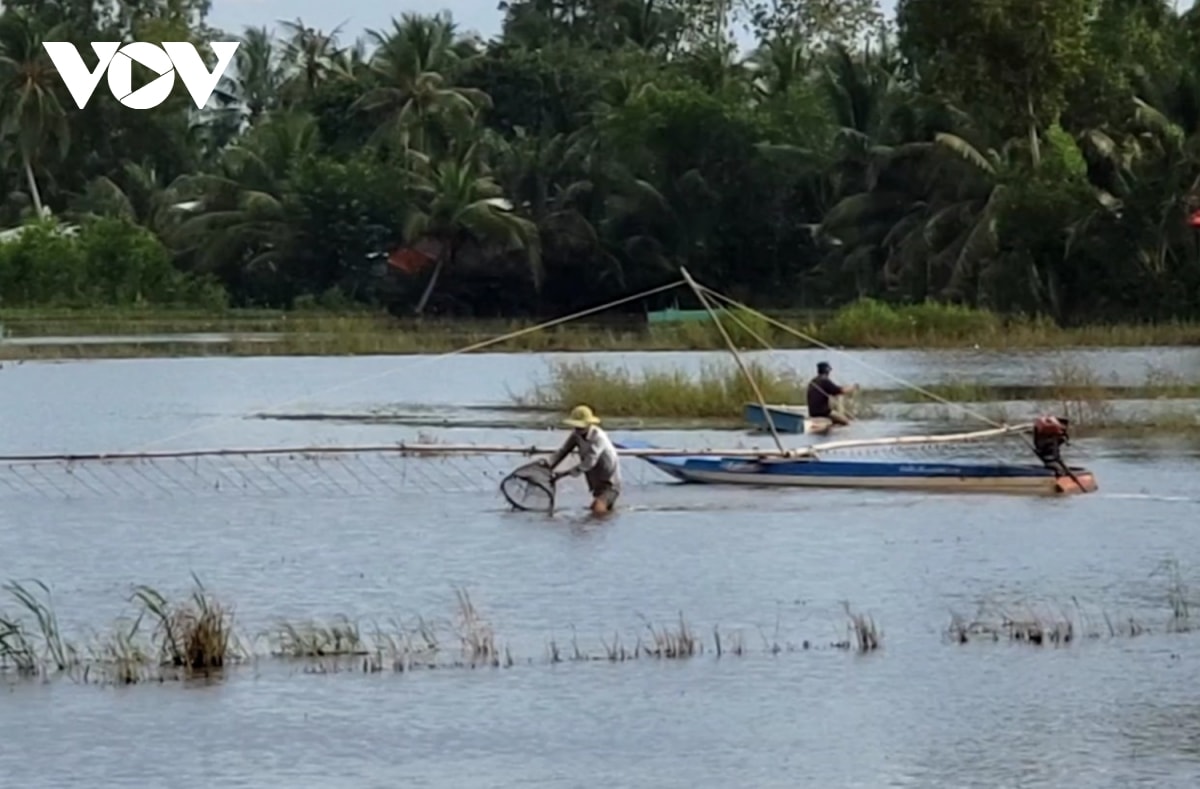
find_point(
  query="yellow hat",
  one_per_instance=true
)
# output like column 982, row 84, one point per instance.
column 581, row 416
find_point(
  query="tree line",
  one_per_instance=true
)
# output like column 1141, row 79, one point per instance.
column 1025, row 156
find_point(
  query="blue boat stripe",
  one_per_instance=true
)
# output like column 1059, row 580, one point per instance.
column 841, row 468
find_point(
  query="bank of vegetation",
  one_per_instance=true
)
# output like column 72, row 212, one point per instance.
column 946, row 155
column 863, row 324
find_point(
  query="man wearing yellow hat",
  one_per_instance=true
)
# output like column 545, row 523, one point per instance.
column 598, row 459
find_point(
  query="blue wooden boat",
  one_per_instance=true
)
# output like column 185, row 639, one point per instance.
column 811, row 471
column 786, row 418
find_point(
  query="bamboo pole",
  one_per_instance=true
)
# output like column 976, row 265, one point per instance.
column 489, row 449
column 737, row 357
column 948, row 438
column 396, row 449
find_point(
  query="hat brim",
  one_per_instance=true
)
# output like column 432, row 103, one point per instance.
column 580, row 422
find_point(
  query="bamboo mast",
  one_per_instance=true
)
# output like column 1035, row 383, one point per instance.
column 737, row 358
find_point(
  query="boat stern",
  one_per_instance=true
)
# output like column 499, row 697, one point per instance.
column 1080, row 480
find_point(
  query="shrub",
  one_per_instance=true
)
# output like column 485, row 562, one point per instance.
column 104, row 261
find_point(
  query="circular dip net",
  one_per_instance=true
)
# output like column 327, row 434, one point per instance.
column 530, row 488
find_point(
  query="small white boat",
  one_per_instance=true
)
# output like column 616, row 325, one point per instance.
column 786, row 419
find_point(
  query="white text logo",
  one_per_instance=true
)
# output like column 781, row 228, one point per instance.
column 174, row 57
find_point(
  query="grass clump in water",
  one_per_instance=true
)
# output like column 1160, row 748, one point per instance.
column 719, row 391
column 315, row 640
column 39, row 650
column 1180, row 620
column 123, row 659
column 475, row 633
column 866, row 635
column 193, row 635
column 672, row 643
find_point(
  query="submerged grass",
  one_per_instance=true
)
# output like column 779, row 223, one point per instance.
column 167, row 640
column 1081, row 394
column 1062, row 625
column 195, row 637
column 865, row 324
column 1067, row 380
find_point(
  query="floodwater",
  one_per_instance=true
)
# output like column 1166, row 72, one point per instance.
column 173, row 338
column 773, row 565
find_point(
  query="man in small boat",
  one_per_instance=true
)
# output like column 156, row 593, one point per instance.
column 820, row 391
column 598, row 459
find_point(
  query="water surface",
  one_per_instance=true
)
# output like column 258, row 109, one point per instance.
column 774, row 565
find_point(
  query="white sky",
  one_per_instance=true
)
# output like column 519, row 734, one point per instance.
column 357, row 16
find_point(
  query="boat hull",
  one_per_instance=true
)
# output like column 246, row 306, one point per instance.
column 786, row 418
column 950, row 477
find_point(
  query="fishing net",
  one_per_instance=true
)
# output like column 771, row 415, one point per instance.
column 310, row 472
column 318, row 472
column 530, row 488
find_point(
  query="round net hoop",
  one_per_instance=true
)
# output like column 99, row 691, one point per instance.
column 530, row 488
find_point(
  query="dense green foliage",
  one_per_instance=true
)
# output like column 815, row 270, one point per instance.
column 1025, row 156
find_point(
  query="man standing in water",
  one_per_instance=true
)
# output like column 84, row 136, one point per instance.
column 598, row 459
column 821, row 389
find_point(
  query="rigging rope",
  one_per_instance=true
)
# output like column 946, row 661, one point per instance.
column 737, row 358
column 423, row 360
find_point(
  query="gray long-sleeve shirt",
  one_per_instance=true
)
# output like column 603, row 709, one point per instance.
column 598, row 459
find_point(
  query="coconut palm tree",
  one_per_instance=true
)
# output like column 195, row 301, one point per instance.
column 137, row 193
column 31, row 113
column 260, row 72
column 779, row 64
column 239, row 222
column 312, row 58
column 459, row 201
column 416, row 102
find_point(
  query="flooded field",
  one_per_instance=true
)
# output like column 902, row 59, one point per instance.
column 1115, row 703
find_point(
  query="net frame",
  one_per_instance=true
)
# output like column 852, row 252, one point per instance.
column 535, row 477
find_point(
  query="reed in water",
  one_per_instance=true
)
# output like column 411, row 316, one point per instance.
column 196, row 636
column 1048, row 624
